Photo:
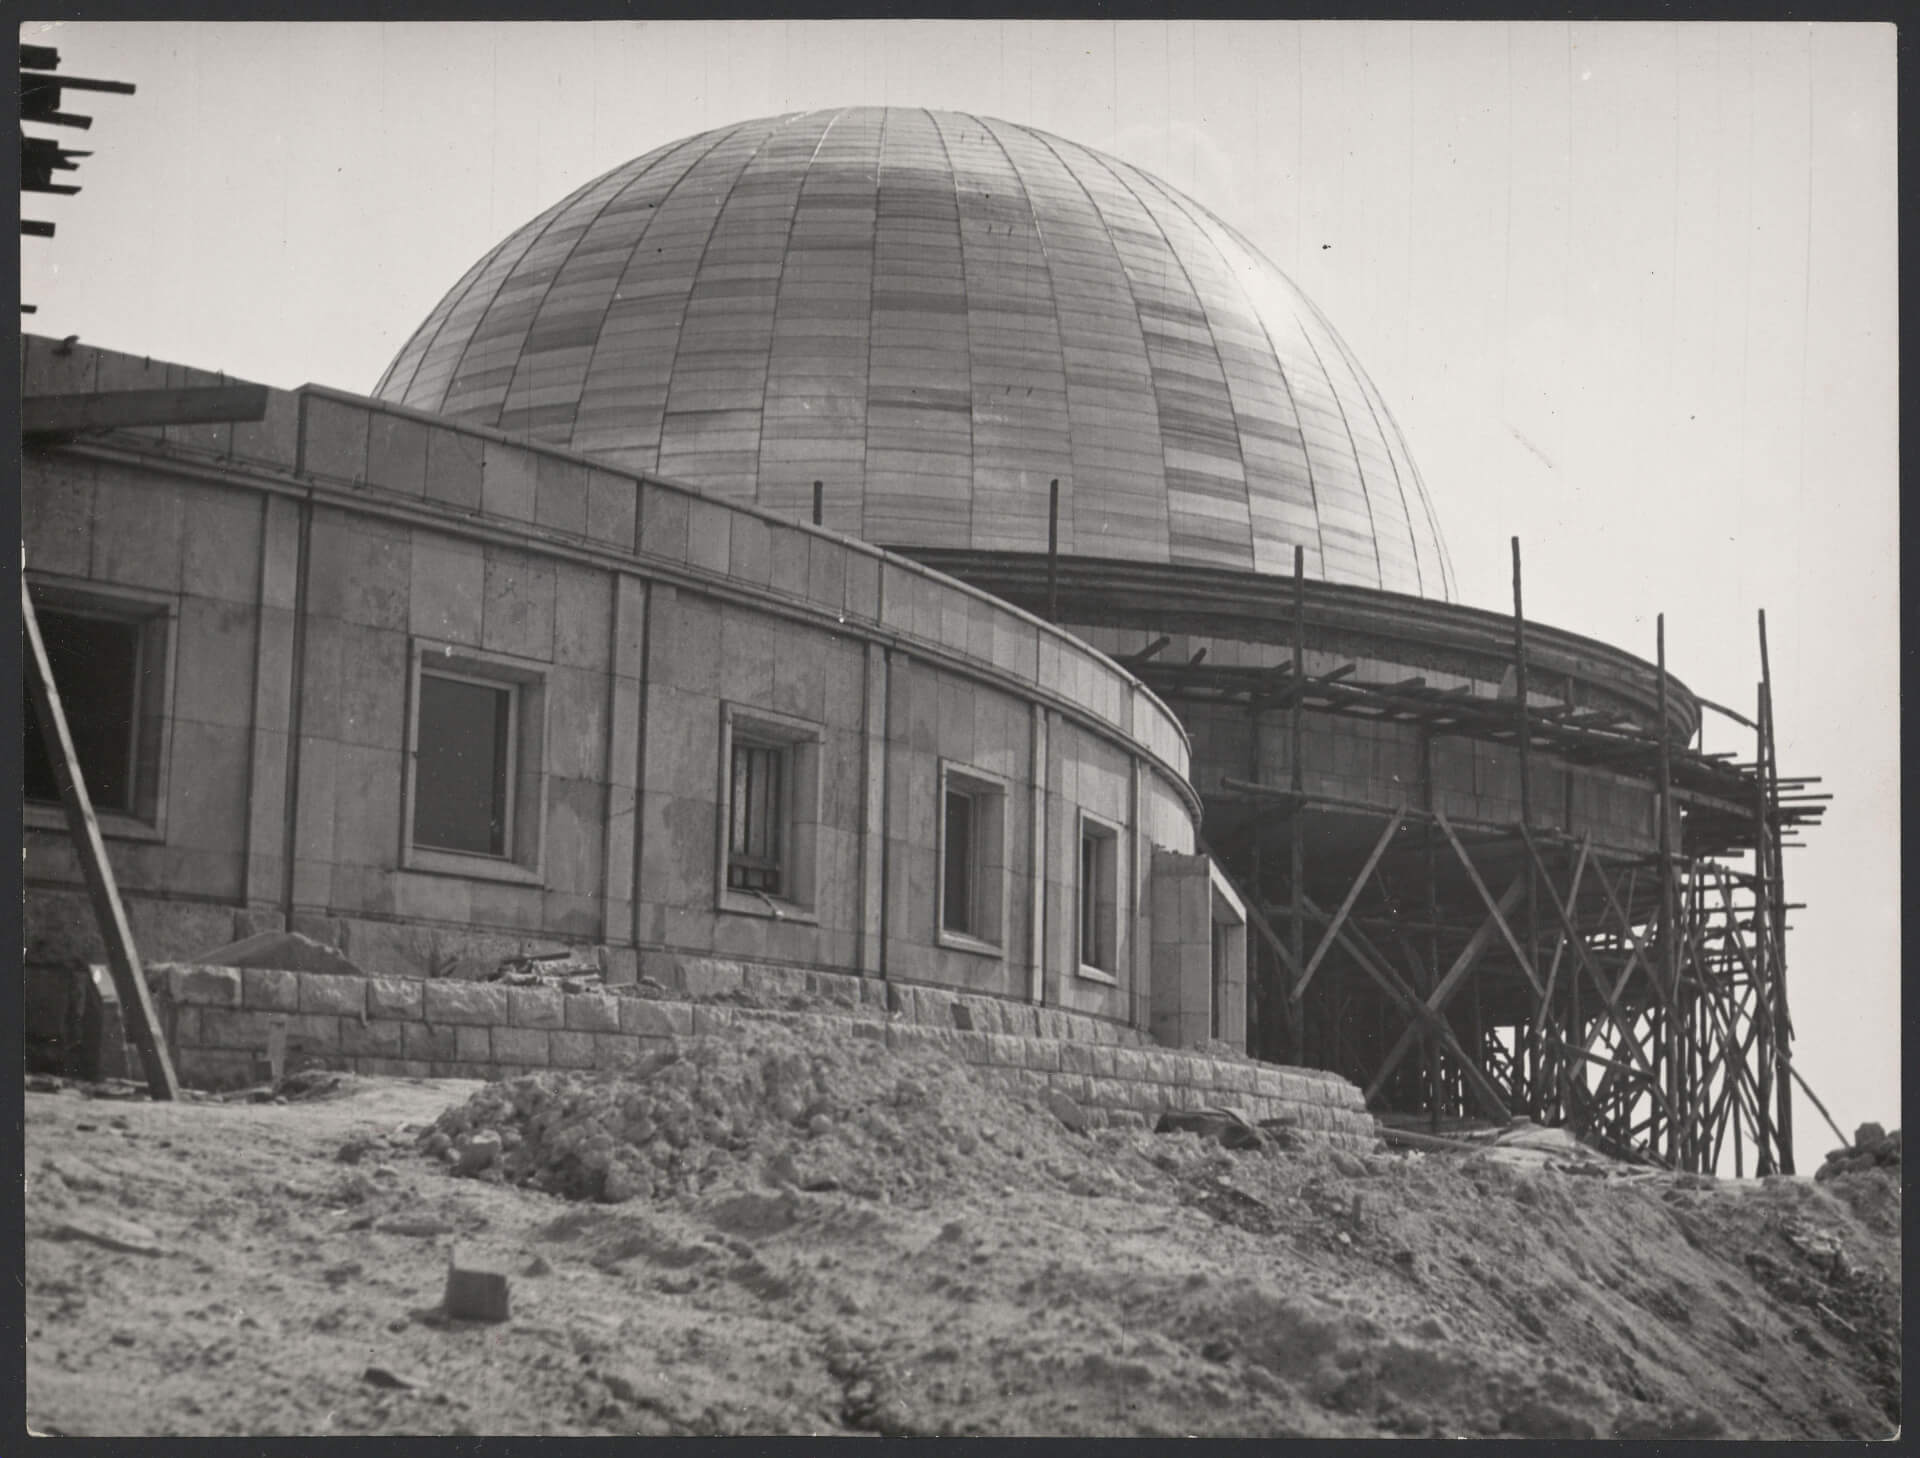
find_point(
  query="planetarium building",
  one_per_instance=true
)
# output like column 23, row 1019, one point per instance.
column 907, row 545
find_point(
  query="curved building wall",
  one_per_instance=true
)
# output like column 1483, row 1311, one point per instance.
column 304, row 576
column 936, row 314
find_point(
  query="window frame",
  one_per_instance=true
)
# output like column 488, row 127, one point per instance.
column 526, row 809
column 1110, row 836
column 151, row 747
column 989, row 870
column 800, row 792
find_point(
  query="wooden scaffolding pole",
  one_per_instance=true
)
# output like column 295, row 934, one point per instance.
column 1526, row 1048
column 123, row 959
column 1296, row 778
column 1782, row 1024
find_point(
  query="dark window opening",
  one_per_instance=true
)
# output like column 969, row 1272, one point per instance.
column 98, row 669
column 957, row 888
column 757, row 818
column 1098, row 897
column 462, row 766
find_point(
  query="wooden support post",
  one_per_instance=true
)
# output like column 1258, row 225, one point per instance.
column 1759, row 969
column 1782, row 1023
column 1296, row 778
column 122, row 957
column 1430, row 1045
column 1526, row 1050
column 1669, row 918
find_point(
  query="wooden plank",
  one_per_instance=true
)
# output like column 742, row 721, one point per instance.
column 122, row 957
column 117, row 409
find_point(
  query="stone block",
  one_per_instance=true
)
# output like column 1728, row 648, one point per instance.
column 454, row 468
column 215, row 1068
column 560, row 495
column 643, row 1017
column 536, row 1007
column 429, row 1041
column 472, row 1045
column 312, row 1033
column 592, row 1012
column 710, row 1020
column 704, row 977
column 611, row 509
column 397, row 454
column 204, row 986
column 506, row 481
column 1043, row 1054
column 371, row 1040
column 270, row 989
column 1131, row 1063
column 473, row 1003
column 1007, row 1050
column 570, row 1050
column 523, row 1047
column 342, row 996
column 395, row 997
column 1076, row 1058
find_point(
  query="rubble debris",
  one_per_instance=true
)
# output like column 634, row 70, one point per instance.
column 282, row 951
column 1226, row 1127
column 1872, row 1148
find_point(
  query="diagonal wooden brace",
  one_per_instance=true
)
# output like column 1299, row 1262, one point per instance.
column 122, row 958
column 1506, row 932
column 1353, row 894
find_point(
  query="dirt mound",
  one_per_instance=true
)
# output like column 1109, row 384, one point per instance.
column 764, row 1107
column 1872, row 1148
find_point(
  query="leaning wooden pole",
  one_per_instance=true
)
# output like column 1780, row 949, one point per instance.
column 1526, row 1047
column 122, row 957
column 1782, row 1026
column 1296, row 779
column 1669, row 913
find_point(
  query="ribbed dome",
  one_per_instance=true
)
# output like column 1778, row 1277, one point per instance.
column 936, row 314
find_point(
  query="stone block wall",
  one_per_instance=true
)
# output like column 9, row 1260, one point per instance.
column 218, row 1021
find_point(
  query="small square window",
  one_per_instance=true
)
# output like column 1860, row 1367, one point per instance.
column 769, row 813
column 973, row 859
column 109, row 657
column 476, row 752
column 1099, row 897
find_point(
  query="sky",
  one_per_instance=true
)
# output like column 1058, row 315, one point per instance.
column 1630, row 290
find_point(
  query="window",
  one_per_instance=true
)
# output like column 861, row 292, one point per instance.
column 973, row 859
column 769, row 813
column 756, row 844
column 476, row 747
column 463, row 798
column 109, row 656
column 1099, row 895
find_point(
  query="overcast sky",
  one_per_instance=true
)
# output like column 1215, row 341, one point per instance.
column 1630, row 290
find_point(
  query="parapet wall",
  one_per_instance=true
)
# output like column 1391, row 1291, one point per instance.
column 219, row 1020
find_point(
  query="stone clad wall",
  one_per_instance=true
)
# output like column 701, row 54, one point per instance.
column 218, row 1021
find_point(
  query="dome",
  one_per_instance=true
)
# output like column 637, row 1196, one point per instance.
column 936, row 314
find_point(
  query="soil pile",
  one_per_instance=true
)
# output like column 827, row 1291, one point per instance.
column 782, row 1231
column 765, row 1106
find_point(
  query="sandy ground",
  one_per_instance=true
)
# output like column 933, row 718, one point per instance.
column 219, row 1268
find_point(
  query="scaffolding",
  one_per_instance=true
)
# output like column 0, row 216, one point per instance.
column 1495, row 970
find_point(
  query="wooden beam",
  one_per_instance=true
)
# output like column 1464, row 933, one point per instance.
column 122, row 957
column 42, row 415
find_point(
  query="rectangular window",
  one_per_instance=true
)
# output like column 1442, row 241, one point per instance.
column 756, row 842
column 476, row 781
column 1099, row 896
column 957, row 891
column 769, row 823
column 973, row 859
column 110, row 653
column 463, row 767
column 97, row 668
